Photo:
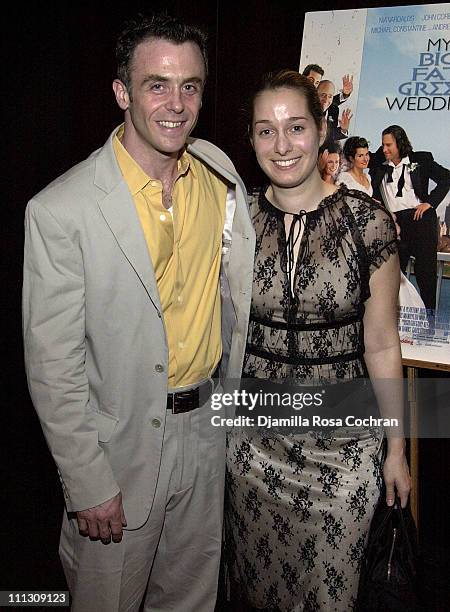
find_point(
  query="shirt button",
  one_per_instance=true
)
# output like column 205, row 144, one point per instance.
column 159, row 368
column 181, row 345
column 162, row 217
column 179, row 299
column 156, row 423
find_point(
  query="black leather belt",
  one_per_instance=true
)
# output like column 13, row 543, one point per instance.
column 185, row 401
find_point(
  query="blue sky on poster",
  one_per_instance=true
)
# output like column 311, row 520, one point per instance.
column 389, row 58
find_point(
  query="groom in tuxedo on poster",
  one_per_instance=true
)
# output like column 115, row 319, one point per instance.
column 400, row 179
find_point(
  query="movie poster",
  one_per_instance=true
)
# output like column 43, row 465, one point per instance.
column 399, row 58
column 399, row 61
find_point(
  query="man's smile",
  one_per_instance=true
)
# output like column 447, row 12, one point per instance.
column 285, row 163
column 170, row 124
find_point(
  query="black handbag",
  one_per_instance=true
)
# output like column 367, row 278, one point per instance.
column 388, row 579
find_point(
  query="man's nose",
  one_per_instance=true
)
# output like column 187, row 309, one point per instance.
column 175, row 101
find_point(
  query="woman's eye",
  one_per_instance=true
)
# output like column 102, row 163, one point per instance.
column 297, row 129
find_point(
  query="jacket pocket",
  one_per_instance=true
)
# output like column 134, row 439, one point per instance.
column 106, row 424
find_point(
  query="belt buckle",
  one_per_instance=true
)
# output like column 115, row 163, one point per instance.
column 185, row 401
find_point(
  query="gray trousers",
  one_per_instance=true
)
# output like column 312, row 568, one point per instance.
column 171, row 562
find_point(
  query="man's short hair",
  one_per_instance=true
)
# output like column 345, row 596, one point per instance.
column 313, row 68
column 142, row 28
column 325, row 82
column 403, row 144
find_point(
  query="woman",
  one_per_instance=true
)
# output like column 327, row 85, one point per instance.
column 329, row 163
column 356, row 152
column 324, row 308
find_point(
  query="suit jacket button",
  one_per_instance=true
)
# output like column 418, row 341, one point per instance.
column 156, row 423
column 159, row 367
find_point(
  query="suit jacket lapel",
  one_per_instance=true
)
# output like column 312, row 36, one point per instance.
column 415, row 178
column 118, row 209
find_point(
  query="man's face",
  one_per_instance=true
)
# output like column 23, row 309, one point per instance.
column 164, row 98
column 326, row 93
column 314, row 77
column 390, row 148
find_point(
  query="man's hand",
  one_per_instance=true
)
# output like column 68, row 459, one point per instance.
column 345, row 119
column 104, row 521
column 347, row 84
column 420, row 209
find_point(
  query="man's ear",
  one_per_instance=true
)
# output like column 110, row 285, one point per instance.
column 121, row 93
column 323, row 131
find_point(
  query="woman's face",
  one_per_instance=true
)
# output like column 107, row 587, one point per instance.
column 361, row 159
column 332, row 165
column 285, row 137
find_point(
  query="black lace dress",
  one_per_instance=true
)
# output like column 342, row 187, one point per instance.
column 299, row 506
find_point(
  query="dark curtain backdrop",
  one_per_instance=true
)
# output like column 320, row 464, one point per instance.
column 58, row 106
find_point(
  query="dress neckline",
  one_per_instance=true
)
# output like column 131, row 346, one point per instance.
column 267, row 206
column 366, row 175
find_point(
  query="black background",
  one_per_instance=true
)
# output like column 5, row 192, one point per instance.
column 58, row 106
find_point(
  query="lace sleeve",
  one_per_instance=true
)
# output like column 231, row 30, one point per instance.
column 377, row 229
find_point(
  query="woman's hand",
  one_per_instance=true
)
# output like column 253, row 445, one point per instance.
column 396, row 477
column 322, row 161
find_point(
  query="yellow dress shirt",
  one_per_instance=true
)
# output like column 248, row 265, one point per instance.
column 185, row 248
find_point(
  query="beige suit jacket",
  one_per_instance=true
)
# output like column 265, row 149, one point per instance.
column 95, row 344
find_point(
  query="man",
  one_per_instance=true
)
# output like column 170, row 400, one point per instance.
column 337, row 130
column 400, row 177
column 122, row 328
column 315, row 73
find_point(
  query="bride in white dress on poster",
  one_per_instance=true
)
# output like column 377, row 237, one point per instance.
column 356, row 152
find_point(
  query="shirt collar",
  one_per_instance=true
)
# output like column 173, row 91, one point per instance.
column 135, row 176
column 404, row 162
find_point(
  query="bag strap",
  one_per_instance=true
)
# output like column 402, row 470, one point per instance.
column 401, row 514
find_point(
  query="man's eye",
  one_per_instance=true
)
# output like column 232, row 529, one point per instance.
column 157, row 87
column 297, row 129
column 190, row 88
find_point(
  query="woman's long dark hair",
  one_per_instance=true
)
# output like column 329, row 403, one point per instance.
column 353, row 143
